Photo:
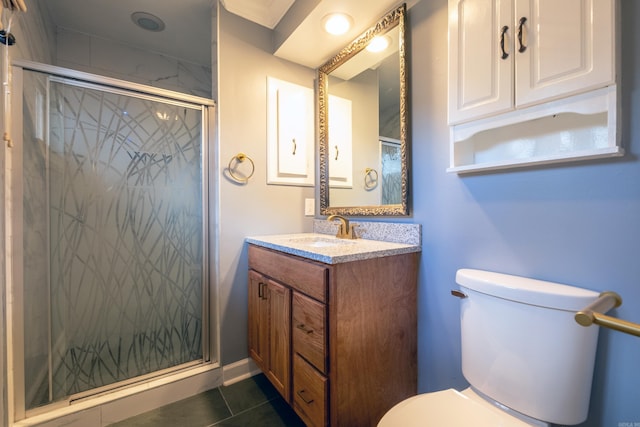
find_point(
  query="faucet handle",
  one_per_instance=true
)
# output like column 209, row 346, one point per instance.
column 351, row 233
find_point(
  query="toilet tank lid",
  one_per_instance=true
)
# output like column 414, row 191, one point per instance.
column 526, row 290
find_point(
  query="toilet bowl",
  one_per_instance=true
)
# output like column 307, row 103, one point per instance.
column 451, row 408
column 527, row 361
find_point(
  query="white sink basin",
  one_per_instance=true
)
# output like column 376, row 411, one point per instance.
column 320, row 242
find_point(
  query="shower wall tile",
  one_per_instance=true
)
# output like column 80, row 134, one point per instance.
column 99, row 56
column 196, row 77
column 35, row 35
column 139, row 64
column 77, row 47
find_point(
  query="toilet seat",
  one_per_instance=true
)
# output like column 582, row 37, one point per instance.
column 449, row 408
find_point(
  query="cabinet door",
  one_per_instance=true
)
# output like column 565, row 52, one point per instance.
column 481, row 37
column 258, row 320
column 569, row 47
column 279, row 369
column 340, row 150
column 269, row 327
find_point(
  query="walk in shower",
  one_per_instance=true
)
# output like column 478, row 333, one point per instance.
column 111, row 237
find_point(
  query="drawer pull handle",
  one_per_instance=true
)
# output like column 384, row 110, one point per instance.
column 301, row 394
column 303, row 328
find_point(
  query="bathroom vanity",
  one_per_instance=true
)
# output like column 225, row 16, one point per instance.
column 336, row 335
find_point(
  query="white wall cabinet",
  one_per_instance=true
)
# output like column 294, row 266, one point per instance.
column 507, row 58
column 290, row 134
column 507, row 54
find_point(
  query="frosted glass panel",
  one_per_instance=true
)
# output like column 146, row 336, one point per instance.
column 123, row 219
column 390, row 154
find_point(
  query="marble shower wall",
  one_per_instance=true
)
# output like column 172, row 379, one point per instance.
column 39, row 40
column 99, row 56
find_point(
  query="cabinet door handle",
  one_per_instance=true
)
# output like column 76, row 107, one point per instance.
column 261, row 292
column 522, row 47
column 304, row 328
column 301, row 394
column 503, row 32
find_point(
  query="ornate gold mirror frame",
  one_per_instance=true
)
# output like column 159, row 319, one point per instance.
column 394, row 18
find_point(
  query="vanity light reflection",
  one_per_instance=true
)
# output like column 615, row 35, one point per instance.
column 378, row 44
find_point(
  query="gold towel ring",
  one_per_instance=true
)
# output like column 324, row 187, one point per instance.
column 239, row 158
column 370, row 178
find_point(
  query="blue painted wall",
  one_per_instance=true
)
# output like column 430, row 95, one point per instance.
column 577, row 223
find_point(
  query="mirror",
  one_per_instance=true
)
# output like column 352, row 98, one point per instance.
column 362, row 124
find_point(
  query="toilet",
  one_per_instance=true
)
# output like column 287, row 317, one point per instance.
column 526, row 359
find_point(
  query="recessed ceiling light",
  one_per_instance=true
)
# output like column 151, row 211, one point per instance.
column 337, row 23
column 147, row 21
column 378, row 44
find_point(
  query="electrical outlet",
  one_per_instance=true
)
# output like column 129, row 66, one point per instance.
column 309, row 207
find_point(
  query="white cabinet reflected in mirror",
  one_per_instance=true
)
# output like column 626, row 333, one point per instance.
column 362, row 124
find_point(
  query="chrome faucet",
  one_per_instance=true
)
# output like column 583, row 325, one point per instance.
column 345, row 231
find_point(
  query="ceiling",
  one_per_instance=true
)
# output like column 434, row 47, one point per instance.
column 264, row 12
column 298, row 36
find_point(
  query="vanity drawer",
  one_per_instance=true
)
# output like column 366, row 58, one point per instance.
column 309, row 337
column 310, row 393
column 306, row 276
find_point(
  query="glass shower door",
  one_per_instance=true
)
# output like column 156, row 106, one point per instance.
column 114, row 236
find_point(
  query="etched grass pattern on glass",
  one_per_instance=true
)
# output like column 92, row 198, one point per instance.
column 126, row 237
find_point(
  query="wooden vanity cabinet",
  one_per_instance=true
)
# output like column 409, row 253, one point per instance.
column 347, row 333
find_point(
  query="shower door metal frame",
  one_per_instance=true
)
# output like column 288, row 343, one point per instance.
column 14, row 245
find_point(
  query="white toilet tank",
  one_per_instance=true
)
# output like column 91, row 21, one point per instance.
column 522, row 347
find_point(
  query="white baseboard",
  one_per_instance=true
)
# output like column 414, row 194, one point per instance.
column 238, row 371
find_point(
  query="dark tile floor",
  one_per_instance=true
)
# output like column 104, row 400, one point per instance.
column 251, row 402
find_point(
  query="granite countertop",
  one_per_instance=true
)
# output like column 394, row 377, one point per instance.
column 329, row 249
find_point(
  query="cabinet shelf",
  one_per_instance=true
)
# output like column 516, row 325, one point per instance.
column 580, row 127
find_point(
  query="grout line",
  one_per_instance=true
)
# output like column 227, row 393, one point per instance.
column 225, row 401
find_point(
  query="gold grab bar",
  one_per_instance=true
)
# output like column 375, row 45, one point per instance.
column 594, row 313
